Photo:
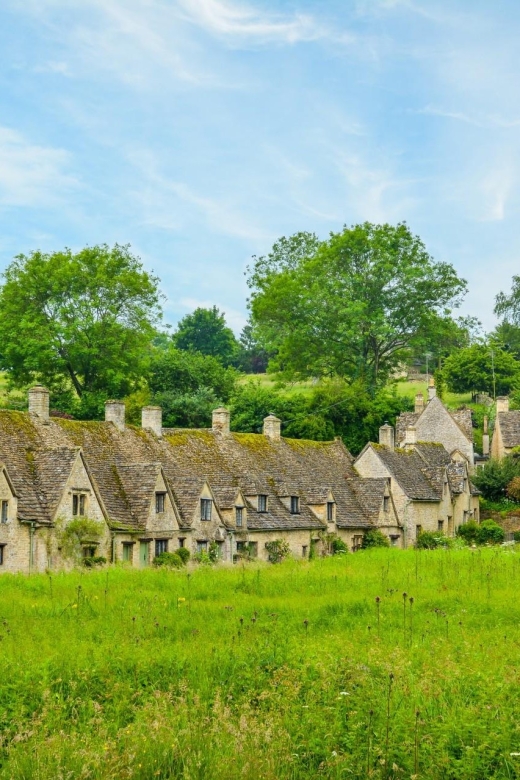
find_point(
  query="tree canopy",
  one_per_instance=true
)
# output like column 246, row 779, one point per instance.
column 83, row 320
column 349, row 306
column 205, row 331
column 481, row 368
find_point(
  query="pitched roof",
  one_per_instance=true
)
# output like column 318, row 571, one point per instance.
column 462, row 417
column 411, row 472
column 510, row 428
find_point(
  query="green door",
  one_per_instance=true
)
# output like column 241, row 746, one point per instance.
column 144, row 548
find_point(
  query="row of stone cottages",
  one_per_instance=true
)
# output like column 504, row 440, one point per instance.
column 156, row 489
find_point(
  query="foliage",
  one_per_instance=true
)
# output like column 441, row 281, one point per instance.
column 252, row 357
column 169, row 559
column 490, row 532
column 507, row 307
column 476, row 369
column 73, row 535
column 184, row 554
column 214, row 552
column 278, row 550
column 338, row 546
column 507, row 336
column 94, row 560
column 374, row 538
column 332, row 544
column 151, row 673
column 78, row 322
column 430, row 540
column 495, row 476
column 188, row 410
column 442, row 336
column 468, row 531
column 516, row 536
column 351, row 305
column 513, row 489
column 205, row 331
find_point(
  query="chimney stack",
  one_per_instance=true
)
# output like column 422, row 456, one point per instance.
column 39, row 402
column 151, row 419
column 485, row 437
column 410, row 436
column 115, row 413
column 502, row 403
column 273, row 427
column 386, row 436
column 432, row 390
column 419, row 403
column 220, row 421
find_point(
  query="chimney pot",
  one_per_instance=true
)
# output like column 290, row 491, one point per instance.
column 115, row 413
column 386, row 436
column 151, row 419
column 419, row 403
column 432, row 390
column 273, row 427
column 39, row 402
column 220, row 420
column 410, row 436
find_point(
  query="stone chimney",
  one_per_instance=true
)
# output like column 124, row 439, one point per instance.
column 115, row 413
column 485, row 436
column 502, row 403
column 410, row 436
column 273, row 427
column 39, row 402
column 151, row 419
column 220, row 420
column 432, row 390
column 386, row 436
column 419, row 403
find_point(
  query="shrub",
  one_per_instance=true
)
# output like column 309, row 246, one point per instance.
column 496, row 476
column 168, row 559
column 74, row 535
column 513, row 489
column 184, row 554
column 490, row 532
column 277, row 550
column 468, row 531
column 95, row 560
column 338, row 546
column 374, row 538
column 430, row 540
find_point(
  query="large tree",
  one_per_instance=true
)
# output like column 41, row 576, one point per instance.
column 481, row 368
column 205, row 331
column 81, row 319
column 350, row 305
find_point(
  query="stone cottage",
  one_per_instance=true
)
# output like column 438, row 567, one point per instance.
column 506, row 434
column 152, row 490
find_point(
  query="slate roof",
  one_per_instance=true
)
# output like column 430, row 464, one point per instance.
column 510, row 428
column 124, row 466
column 462, row 417
column 412, row 473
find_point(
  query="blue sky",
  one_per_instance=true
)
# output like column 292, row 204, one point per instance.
column 199, row 131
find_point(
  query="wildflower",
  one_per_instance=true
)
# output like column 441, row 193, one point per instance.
column 514, row 754
column 344, row 693
column 181, row 599
column 334, row 753
column 74, row 606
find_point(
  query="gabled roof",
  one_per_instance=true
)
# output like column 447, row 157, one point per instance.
column 461, row 417
column 409, row 469
column 370, row 493
column 510, row 428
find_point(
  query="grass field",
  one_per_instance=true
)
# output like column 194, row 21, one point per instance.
column 258, row 672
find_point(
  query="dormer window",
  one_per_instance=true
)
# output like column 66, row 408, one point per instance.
column 295, row 505
column 4, row 511
column 239, row 516
column 330, row 511
column 205, row 508
column 386, row 503
column 262, row 503
column 160, row 502
column 79, row 504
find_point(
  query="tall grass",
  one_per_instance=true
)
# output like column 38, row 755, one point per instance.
column 289, row 671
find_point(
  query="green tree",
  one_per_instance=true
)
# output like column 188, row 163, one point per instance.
column 495, row 476
column 175, row 371
column 78, row 320
column 481, row 368
column 507, row 307
column 252, row 357
column 351, row 305
column 205, row 331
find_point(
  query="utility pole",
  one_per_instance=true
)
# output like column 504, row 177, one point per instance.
column 493, row 371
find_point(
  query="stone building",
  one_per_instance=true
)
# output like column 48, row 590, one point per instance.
column 506, row 434
column 153, row 490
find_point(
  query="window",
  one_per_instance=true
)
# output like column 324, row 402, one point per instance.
column 394, row 541
column 262, row 503
column 305, row 551
column 5, row 511
column 418, row 531
column 161, row 546
column 330, row 511
column 205, row 508
column 386, row 503
column 89, row 551
column 160, row 499
column 182, row 540
column 440, row 526
column 253, row 549
column 202, row 546
column 79, row 504
column 357, row 541
column 127, row 551
column 2, row 554
column 239, row 515
column 295, row 505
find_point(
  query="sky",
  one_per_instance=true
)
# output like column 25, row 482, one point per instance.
column 200, row 131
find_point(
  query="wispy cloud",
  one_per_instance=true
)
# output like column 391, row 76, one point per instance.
column 32, row 175
column 484, row 120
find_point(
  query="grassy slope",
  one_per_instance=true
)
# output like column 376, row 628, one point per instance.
column 266, row 672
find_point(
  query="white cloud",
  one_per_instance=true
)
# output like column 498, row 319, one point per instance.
column 32, row 175
column 484, row 120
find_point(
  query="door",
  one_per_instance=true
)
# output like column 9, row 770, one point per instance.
column 144, row 553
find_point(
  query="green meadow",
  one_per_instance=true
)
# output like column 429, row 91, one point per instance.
column 383, row 664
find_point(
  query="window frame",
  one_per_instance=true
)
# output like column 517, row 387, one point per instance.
column 4, row 511
column 128, row 552
column 206, row 504
column 160, row 502
column 262, row 503
column 330, row 511
column 79, row 504
column 239, row 516
column 2, row 554
column 161, row 546
column 386, row 503
column 295, row 505
column 202, row 546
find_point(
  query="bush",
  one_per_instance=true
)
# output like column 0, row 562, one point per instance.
column 169, row 559
column 496, row 476
column 95, row 560
column 338, row 546
column 277, row 550
column 374, row 538
column 468, row 532
column 430, row 540
column 513, row 489
column 490, row 532
column 516, row 536
column 184, row 554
